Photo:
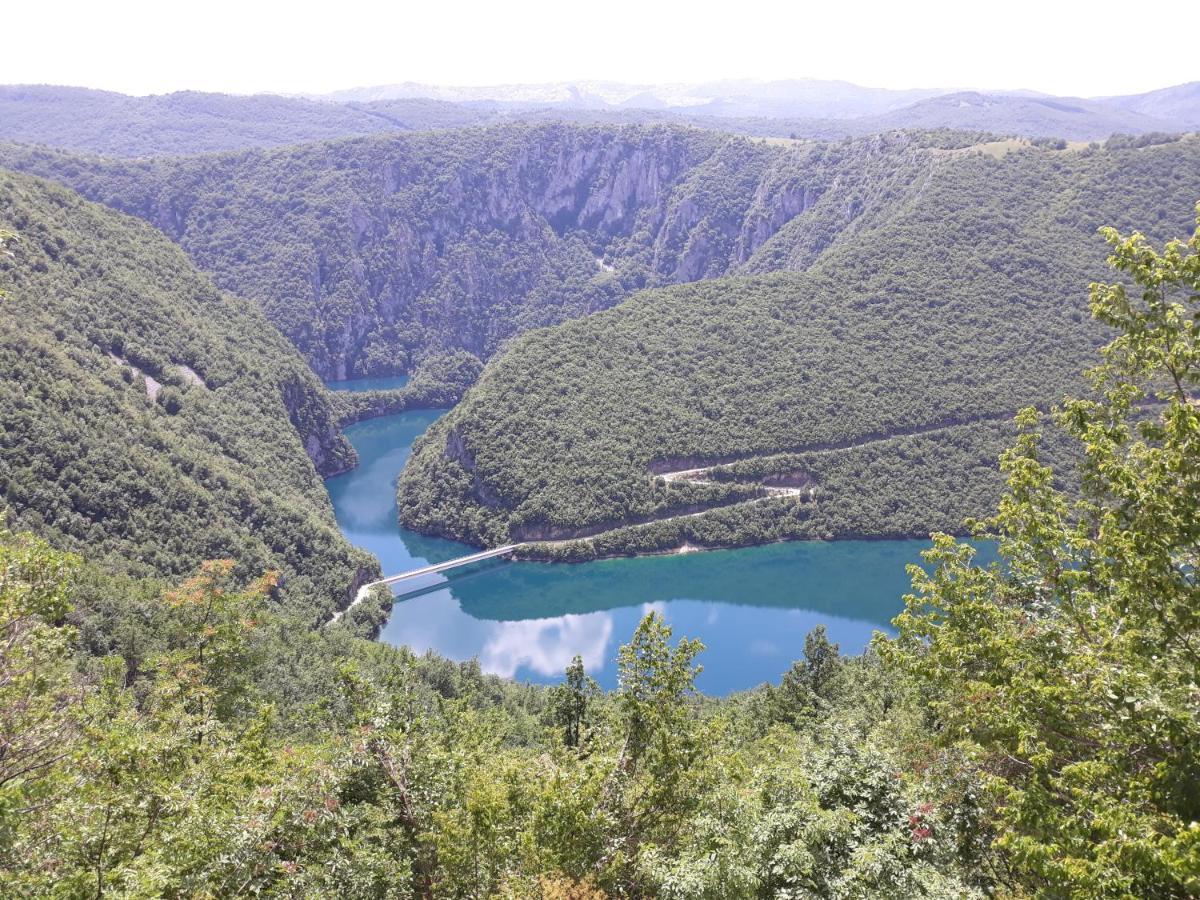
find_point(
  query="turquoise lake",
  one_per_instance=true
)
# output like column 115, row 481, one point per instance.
column 751, row 607
column 385, row 383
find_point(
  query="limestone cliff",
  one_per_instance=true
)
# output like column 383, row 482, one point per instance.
column 372, row 254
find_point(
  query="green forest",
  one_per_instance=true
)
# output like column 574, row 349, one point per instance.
column 882, row 375
column 429, row 253
column 1032, row 730
column 653, row 337
column 152, row 421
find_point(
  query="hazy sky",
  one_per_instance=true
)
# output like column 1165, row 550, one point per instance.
column 244, row 46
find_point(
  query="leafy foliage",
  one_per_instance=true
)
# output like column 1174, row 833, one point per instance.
column 203, row 766
column 1069, row 674
column 1032, row 731
column 102, row 314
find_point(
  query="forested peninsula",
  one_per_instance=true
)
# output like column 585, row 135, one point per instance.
column 880, row 378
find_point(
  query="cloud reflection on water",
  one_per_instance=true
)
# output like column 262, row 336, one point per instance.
column 547, row 646
column 542, row 647
column 748, row 646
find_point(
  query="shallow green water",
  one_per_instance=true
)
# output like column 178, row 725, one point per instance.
column 751, row 607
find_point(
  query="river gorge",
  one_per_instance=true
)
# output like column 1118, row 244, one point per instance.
column 751, row 606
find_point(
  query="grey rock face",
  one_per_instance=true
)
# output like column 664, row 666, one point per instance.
column 331, row 453
column 371, row 254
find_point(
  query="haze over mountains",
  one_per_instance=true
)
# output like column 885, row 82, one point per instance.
column 191, row 122
column 793, row 98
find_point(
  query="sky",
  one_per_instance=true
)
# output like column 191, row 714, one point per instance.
column 248, row 46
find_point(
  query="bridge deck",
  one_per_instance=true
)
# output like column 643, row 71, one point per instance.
column 426, row 570
column 448, row 564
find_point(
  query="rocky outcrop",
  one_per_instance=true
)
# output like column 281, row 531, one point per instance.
column 370, row 254
column 363, row 575
column 771, row 210
column 317, row 424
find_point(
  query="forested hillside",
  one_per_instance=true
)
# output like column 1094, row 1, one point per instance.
column 149, row 419
column 370, row 254
column 181, row 123
column 874, row 383
column 387, row 254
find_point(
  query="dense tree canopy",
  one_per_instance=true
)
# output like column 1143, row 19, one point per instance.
column 881, row 378
column 173, row 723
column 150, row 420
column 1068, row 674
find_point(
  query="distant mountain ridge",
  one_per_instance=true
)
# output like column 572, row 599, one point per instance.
column 1032, row 116
column 864, row 109
column 1180, row 103
column 792, row 98
column 189, row 122
column 183, row 123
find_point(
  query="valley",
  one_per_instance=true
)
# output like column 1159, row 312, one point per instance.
column 736, row 490
column 609, row 302
column 613, row 304
column 375, row 255
column 751, row 607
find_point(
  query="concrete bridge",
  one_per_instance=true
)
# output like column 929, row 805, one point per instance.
column 435, row 568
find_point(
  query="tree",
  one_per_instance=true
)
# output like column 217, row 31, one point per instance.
column 569, row 702
column 656, row 685
column 37, row 688
column 5, row 237
column 647, row 790
column 167, row 786
column 1067, row 673
column 809, row 685
column 170, row 399
column 213, row 648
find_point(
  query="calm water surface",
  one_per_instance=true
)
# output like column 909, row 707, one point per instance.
column 385, row 383
column 751, row 607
